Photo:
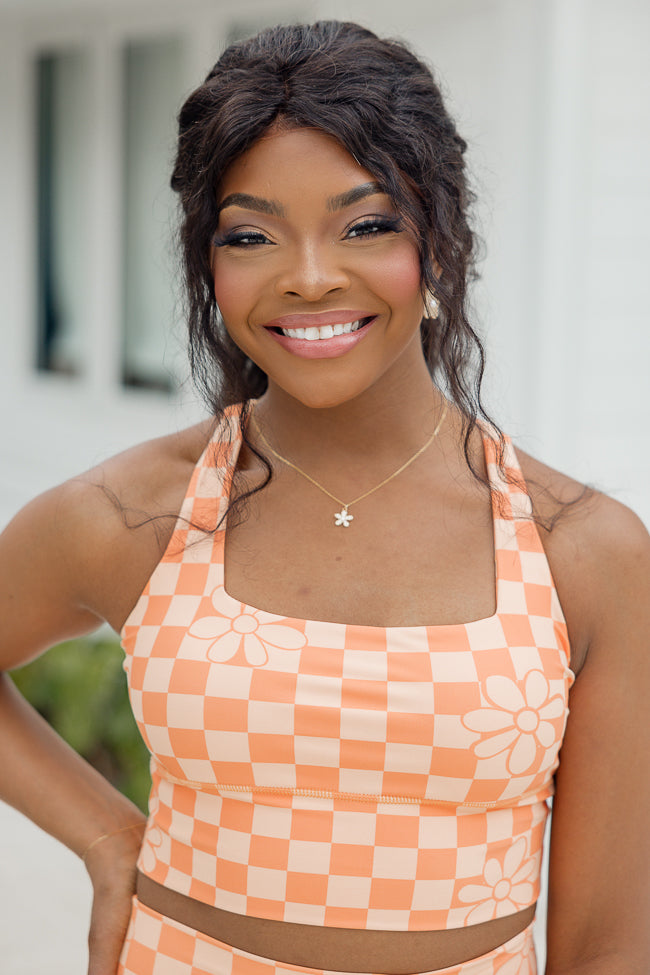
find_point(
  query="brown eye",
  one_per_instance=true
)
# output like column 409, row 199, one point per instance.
column 244, row 238
column 372, row 228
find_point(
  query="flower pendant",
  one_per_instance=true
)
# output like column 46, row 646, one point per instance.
column 343, row 518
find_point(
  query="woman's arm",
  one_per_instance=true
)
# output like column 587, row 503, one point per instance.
column 46, row 577
column 45, row 779
column 69, row 561
column 599, row 885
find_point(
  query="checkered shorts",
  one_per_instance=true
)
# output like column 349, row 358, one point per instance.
column 156, row 945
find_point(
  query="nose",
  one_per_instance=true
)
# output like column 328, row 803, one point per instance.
column 312, row 271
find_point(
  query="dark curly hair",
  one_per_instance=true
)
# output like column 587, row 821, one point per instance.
column 382, row 104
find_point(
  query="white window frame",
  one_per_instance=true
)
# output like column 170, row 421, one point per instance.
column 103, row 34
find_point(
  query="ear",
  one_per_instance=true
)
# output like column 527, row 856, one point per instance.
column 437, row 270
column 431, row 303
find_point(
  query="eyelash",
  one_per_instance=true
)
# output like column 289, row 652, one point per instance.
column 245, row 238
column 367, row 229
column 375, row 227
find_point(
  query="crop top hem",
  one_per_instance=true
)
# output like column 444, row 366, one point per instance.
column 238, row 789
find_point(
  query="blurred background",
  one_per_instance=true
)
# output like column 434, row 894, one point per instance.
column 553, row 97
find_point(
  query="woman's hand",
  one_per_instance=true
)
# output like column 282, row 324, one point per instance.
column 111, row 865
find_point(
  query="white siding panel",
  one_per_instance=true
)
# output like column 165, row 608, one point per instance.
column 612, row 411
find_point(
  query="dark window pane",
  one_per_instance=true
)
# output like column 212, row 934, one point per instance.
column 62, row 115
column 153, row 85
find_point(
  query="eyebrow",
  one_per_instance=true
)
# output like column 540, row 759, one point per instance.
column 275, row 209
column 249, row 202
column 353, row 196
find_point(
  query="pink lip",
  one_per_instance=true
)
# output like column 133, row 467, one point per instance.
column 322, row 348
column 341, row 316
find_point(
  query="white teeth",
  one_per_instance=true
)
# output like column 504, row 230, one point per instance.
column 313, row 333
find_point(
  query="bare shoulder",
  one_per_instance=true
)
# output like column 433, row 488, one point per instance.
column 127, row 506
column 82, row 552
column 150, row 477
column 581, row 516
column 142, row 486
column 598, row 550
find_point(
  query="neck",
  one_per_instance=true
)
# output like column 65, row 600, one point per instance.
column 391, row 417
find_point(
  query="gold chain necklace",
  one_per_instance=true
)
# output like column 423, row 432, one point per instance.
column 342, row 518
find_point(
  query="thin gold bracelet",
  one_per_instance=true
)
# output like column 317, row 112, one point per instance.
column 105, row 836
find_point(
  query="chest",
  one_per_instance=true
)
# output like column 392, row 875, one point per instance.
column 411, row 555
column 226, row 692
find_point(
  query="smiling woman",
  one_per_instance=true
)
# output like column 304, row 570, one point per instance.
column 354, row 734
column 323, row 270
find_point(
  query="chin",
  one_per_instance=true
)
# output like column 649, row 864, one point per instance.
column 322, row 400
column 325, row 395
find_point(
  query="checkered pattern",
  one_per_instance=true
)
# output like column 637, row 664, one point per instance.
column 353, row 776
column 156, row 945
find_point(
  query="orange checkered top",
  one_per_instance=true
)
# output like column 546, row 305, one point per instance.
column 391, row 778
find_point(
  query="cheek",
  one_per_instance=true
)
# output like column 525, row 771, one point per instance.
column 398, row 277
column 230, row 289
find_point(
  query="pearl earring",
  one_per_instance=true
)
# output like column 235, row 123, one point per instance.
column 431, row 305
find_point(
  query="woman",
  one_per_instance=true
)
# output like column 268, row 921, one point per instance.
column 355, row 728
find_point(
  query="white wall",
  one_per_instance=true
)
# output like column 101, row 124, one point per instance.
column 46, row 897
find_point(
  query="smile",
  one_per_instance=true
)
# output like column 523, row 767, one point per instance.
column 313, row 334
column 328, row 340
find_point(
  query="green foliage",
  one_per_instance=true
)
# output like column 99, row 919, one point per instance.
column 80, row 689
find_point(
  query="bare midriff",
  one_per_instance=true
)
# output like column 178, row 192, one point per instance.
column 336, row 949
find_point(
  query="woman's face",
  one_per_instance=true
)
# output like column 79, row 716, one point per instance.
column 316, row 276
